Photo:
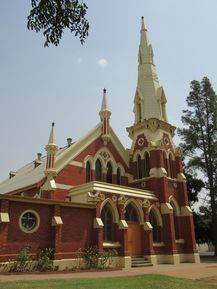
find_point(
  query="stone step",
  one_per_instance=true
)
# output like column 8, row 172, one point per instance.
column 140, row 262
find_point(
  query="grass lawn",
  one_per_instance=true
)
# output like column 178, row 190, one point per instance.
column 139, row 282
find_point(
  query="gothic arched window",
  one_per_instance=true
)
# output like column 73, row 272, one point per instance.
column 165, row 162
column 88, row 172
column 176, row 222
column 118, row 176
column 139, row 167
column 171, row 166
column 131, row 214
column 109, row 173
column 98, row 171
column 107, row 219
column 154, row 223
column 146, row 165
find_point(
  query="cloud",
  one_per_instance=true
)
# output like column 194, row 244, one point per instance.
column 103, row 63
column 80, row 60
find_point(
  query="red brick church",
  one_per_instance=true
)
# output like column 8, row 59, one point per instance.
column 95, row 192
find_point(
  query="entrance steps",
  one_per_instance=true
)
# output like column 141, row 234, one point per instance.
column 140, row 261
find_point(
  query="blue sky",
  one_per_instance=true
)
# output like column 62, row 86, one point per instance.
column 64, row 84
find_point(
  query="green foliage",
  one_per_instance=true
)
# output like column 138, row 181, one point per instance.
column 199, row 139
column 54, row 16
column 44, row 261
column 23, row 262
column 95, row 259
column 194, row 186
column 203, row 226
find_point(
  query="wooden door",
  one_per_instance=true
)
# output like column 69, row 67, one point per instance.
column 134, row 239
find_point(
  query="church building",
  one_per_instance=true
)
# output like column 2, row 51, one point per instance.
column 95, row 192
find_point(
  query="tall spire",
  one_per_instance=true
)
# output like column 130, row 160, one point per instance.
column 105, row 114
column 149, row 101
column 50, row 172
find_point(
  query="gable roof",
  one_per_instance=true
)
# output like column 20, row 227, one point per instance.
column 31, row 176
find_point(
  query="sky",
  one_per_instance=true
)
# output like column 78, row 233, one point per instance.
column 64, row 84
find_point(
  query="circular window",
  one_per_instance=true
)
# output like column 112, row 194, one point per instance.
column 29, row 221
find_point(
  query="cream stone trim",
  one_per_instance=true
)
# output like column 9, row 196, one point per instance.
column 89, row 159
column 157, row 213
column 76, row 164
column 111, row 245
column 148, row 226
column 180, row 241
column 159, row 244
column 63, row 187
column 57, row 221
column 37, row 224
column 186, row 211
column 122, row 170
column 4, row 217
column 175, row 205
column 50, row 184
column 123, row 225
column 168, row 259
column 138, row 208
column 181, row 178
column 98, row 223
column 76, row 148
column 158, row 172
column 166, row 208
column 105, row 162
column 190, row 258
column 120, row 148
column 129, row 176
column 113, row 207
column 80, row 193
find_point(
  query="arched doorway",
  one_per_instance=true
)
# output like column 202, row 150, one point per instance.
column 134, row 230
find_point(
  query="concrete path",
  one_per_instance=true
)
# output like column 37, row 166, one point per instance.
column 190, row 271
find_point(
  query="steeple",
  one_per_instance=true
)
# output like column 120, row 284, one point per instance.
column 150, row 100
column 105, row 114
column 50, row 172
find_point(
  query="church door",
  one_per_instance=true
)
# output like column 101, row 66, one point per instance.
column 134, row 239
column 134, row 231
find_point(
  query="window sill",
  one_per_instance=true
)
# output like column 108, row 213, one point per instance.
column 180, row 241
column 111, row 245
column 158, row 244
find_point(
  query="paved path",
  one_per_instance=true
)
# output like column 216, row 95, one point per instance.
column 189, row 271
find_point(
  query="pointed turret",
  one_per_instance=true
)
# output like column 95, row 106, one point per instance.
column 149, row 101
column 105, row 114
column 51, row 149
column 50, row 172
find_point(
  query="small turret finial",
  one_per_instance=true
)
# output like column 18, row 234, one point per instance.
column 143, row 25
column 53, row 124
column 104, row 90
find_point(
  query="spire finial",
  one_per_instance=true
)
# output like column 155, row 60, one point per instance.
column 52, row 137
column 142, row 25
column 104, row 101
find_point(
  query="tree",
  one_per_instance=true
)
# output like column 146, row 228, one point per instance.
column 199, row 137
column 54, row 16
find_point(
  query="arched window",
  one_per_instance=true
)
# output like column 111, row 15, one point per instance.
column 118, row 176
column 146, row 165
column 176, row 221
column 98, row 171
column 171, row 166
column 109, row 173
column 139, row 112
column 88, row 172
column 131, row 214
column 107, row 219
column 165, row 162
column 139, row 167
column 154, row 223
